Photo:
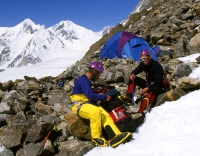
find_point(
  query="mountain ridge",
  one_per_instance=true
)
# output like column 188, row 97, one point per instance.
column 28, row 43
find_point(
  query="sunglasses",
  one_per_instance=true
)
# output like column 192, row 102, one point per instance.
column 144, row 58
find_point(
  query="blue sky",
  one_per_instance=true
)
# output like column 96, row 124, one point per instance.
column 91, row 14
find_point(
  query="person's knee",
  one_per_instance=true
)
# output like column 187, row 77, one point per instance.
column 95, row 111
column 90, row 112
column 156, row 90
column 140, row 82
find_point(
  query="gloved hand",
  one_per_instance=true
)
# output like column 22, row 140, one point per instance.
column 132, row 76
column 108, row 98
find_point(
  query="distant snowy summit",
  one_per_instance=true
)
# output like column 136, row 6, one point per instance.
column 73, row 36
column 28, row 43
column 105, row 30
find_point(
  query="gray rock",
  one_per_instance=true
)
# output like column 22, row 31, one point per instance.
column 58, row 96
column 6, row 108
column 30, row 149
column 182, row 70
column 171, row 95
column 75, row 147
column 77, row 127
column 6, row 152
column 38, row 131
column 11, row 138
column 188, row 83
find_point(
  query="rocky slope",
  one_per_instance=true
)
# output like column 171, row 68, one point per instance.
column 30, row 108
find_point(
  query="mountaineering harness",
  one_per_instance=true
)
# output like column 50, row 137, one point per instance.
column 80, row 105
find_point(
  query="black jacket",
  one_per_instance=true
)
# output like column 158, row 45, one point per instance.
column 154, row 73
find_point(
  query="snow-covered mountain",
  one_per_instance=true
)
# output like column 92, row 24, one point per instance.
column 28, row 43
column 75, row 37
column 105, row 30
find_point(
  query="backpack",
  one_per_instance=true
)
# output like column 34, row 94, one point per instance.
column 120, row 116
column 117, row 111
column 123, row 120
column 165, row 84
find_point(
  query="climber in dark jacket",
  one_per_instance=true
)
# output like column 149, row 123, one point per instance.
column 152, row 85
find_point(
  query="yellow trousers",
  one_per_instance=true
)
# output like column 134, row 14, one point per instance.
column 96, row 114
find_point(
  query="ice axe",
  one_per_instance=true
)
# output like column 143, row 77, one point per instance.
column 132, row 101
column 43, row 143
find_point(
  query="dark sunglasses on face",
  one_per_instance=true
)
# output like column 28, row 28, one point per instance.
column 144, row 58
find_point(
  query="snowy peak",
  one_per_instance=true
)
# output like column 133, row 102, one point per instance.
column 29, row 44
column 74, row 36
column 27, row 26
column 28, row 21
column 68, row 25
column 105, row 30
column 66, row 29
column 16, row 43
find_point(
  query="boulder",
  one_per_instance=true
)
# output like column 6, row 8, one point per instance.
column 188, row 83
column 75, row 147
column 77, row 127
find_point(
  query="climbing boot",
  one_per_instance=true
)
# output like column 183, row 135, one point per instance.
column 100, row 142
column 120, row 139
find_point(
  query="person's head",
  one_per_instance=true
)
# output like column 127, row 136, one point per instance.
column 145, row 56
column 96, row 68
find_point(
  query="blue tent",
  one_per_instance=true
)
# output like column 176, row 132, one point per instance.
column 125, row 45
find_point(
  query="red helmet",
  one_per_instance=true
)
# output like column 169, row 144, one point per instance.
column 97, row 65
column 145, row 52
